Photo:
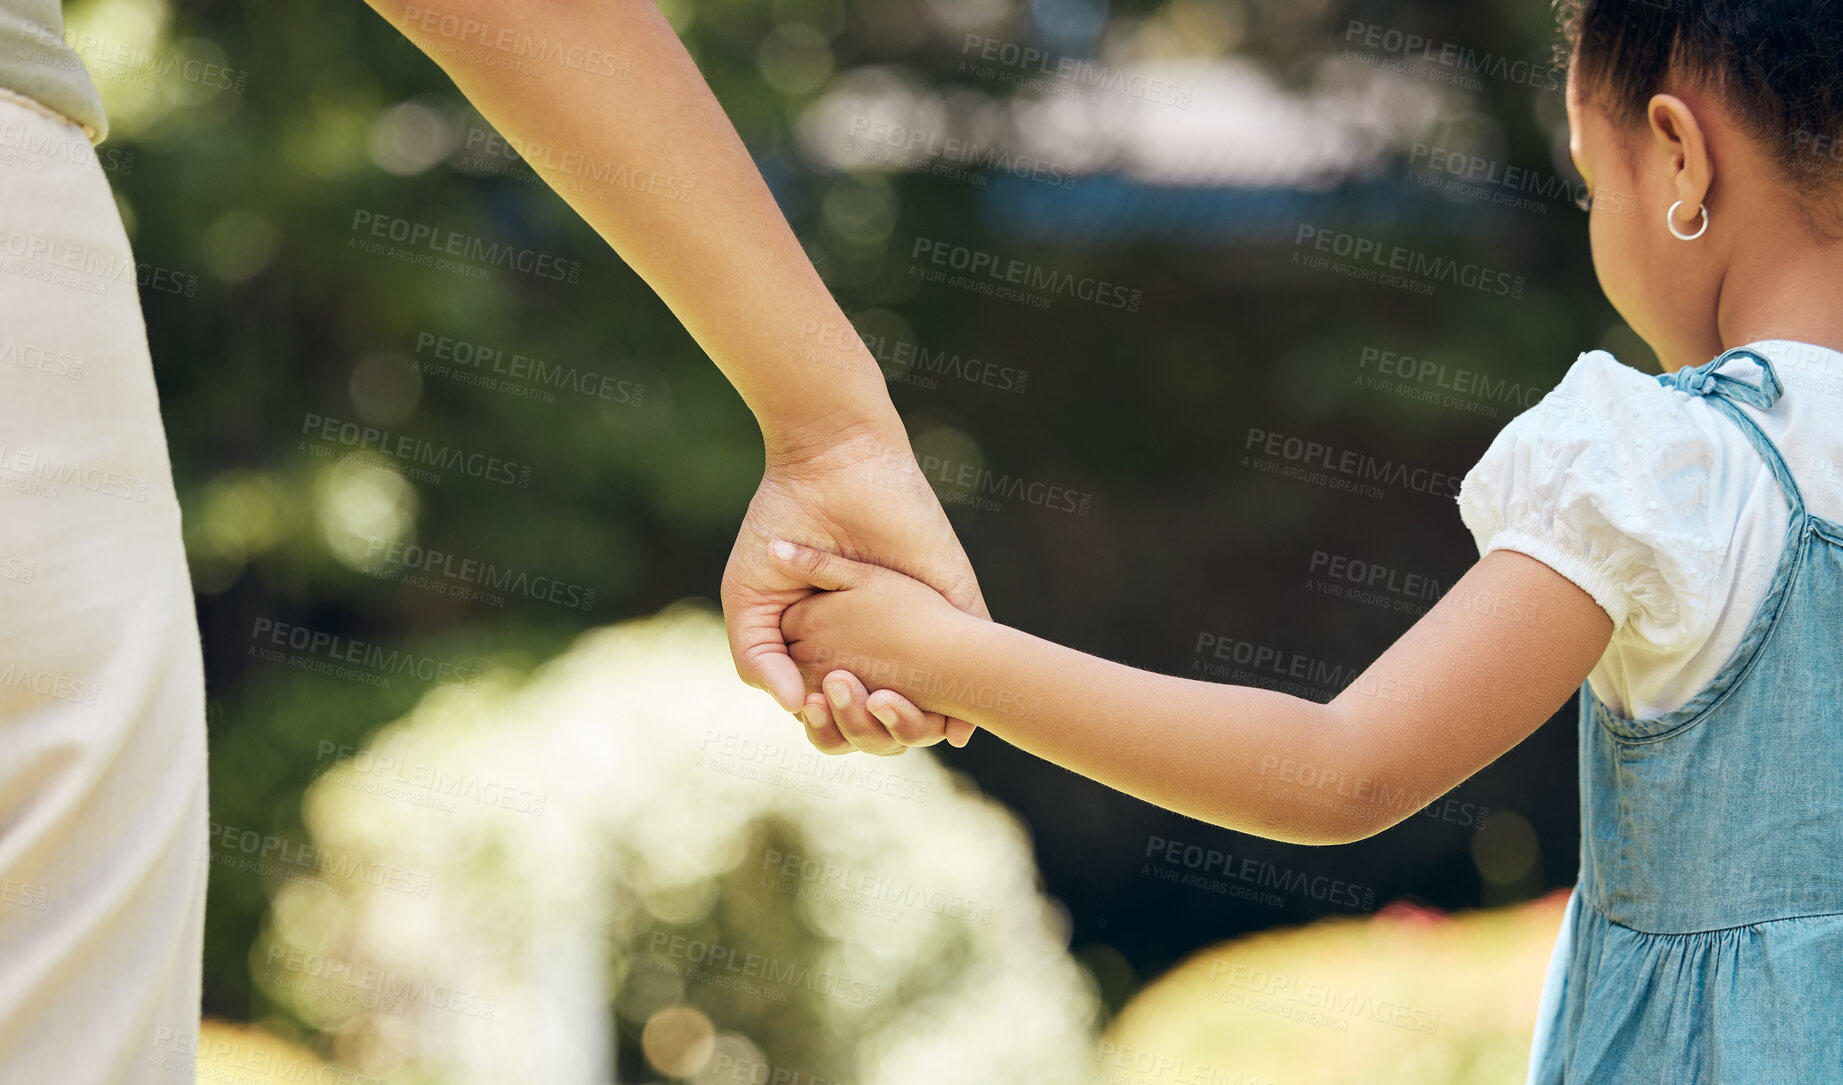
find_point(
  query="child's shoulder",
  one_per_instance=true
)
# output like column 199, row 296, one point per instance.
column 1609, row 479
column 1599, row 389
column 1598, row 369
column 1612, row 417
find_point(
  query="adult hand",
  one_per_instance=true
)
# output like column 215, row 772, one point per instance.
column 859, row 494
column 718, row 251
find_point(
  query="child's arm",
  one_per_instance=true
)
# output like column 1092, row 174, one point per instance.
column 1495, row 658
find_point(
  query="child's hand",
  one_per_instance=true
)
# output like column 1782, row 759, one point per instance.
column 868, row 626
column 884, row 723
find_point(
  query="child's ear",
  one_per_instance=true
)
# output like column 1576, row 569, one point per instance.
column 1677, row 135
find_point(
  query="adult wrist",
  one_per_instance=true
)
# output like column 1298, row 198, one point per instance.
column 843, row 434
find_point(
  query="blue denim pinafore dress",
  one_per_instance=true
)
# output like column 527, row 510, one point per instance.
column 1704, row 940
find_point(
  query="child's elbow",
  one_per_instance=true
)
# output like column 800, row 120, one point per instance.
column 1353, row 830
column 1342, row 832
column 1328, row 830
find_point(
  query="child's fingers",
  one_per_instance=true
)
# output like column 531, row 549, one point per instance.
column 906, row 723
column 959, row 732
column 847, row 696
column 817, row 567
column 820, row 730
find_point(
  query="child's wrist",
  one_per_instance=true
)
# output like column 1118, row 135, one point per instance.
column 943, row 660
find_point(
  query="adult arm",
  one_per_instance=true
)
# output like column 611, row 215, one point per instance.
column 576, row 86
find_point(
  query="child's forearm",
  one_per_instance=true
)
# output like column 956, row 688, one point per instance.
column 1224, row 754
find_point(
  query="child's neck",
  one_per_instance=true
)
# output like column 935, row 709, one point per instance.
column 1776, row 293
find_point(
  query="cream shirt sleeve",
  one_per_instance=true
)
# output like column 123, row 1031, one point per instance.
column 1607, row 481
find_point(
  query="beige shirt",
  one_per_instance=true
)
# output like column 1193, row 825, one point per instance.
column 104, row 846
column 35, row 61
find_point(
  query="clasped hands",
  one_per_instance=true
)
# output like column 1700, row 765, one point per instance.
column 814, row 619
column 870, row 638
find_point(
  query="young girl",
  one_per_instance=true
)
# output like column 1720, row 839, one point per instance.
column 1669, row 546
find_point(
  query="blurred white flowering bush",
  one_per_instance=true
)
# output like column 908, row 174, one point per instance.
column 632, row 867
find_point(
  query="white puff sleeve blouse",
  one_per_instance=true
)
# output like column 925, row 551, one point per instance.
column 1638, row 494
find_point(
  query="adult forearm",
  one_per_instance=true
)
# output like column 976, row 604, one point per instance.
column 1224, row 754
column 618, row 120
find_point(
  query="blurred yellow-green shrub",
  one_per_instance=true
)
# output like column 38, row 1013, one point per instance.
column 1409, row 996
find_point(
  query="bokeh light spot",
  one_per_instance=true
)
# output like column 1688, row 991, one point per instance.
column 385, row 388
column 238, row 244
column 678, row 1040
column 795, row 59
column 410, row 137
column 360, row 504
column 859, row 213
column 1504, row 849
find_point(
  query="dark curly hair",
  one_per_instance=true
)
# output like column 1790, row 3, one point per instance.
column 1778, row 64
